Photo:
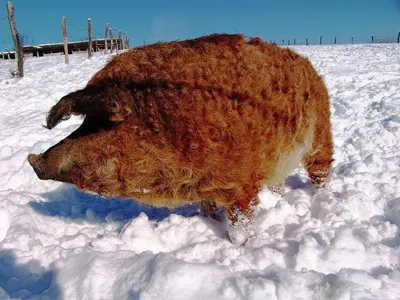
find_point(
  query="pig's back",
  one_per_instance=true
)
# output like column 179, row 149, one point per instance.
column 220, row 96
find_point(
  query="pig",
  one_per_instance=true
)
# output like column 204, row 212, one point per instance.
column 209, row 120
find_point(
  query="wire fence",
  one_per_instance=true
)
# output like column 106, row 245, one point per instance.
column 82, row 32
column 338, row 40
column 386, row 39
column 75, row 33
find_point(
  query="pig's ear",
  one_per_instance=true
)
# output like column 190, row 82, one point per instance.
column 59, row 112
column 105, row 101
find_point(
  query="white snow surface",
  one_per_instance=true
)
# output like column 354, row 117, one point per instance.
column 339, row 243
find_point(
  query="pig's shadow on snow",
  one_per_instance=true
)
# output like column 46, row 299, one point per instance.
column 69, row 202
column 19, row 281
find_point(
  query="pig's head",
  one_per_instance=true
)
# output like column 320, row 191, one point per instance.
column 105, row 105
column 54, row 163
column 114, row 151
column 64, row 161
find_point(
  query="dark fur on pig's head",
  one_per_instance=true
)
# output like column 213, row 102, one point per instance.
column 104, row 100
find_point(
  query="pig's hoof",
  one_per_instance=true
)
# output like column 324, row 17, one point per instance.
column 239, row 234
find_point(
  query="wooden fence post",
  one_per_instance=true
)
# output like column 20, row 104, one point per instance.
column 90, row 50
column 115, row 39
column 335, row 40
column 398, row 38
column 65, row 33
column 307, row 41
column 105, row 39
column 294, row 42
column 372, row 39
column 111, row 41
column 320, row 40
column 121, row 45
column 16, row 37
column 283, row 42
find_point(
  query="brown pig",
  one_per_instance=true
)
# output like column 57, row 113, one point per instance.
column 208, row 120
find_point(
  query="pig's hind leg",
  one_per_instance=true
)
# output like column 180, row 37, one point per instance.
column 319, row 159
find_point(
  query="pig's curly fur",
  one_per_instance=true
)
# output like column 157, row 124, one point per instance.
column 213, row 119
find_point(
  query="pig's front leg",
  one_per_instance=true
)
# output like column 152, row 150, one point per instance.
column 210, row 209
column 240, row 220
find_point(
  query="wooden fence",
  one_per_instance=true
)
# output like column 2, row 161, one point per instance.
column 73, row 47
column 90, row 45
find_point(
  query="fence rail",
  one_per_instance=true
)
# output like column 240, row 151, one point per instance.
column 73, row 47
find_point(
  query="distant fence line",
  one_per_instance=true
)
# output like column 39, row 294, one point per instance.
column 120, row 43
column 335, row 40
column 106, row 44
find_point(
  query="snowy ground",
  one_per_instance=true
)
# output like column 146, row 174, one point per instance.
column 59, row 243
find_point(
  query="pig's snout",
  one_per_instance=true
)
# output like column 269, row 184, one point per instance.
column 37, row 164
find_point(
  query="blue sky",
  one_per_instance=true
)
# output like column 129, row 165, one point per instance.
column 154, row 20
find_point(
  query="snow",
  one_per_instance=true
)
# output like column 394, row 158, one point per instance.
column 340, row 243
